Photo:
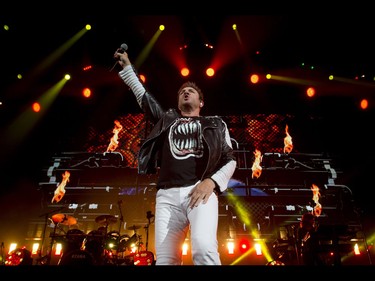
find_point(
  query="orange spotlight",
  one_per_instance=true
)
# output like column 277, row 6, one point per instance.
column 86, row 92
column 254, row 78
column 210, row 72
column 185, row 71
column 364, row 104
column 310, row 92
column 36, row 107
column 143, row 78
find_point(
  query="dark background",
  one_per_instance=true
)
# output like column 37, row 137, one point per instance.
column 331, row 122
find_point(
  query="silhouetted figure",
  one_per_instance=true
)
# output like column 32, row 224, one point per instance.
column 308, row 241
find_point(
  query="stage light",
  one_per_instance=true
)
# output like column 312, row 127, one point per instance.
column 12, row 247
column 254, row 78
column 208, row 46
column 35, row 249
column 86, row 92
column 244, row 245
column 185, row 248
column 36, row 107
column 143, row 78
column 364, row 103
column 58, row 249
column 356, row 249
column 258, row 249
column 210, row 72
column 230, row 246
column 87, row 67
column 310, row 92
column 185, row 71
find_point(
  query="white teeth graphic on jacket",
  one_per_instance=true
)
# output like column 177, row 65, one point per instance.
column 184, row 138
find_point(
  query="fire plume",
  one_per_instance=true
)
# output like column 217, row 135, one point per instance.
column 288, row 144
column 256, row 168
column 316, row 195
column 60, row 190
column 114, row 140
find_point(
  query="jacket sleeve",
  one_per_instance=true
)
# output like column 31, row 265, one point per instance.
column 146, row 101
column 222, row 176
column 130, row 78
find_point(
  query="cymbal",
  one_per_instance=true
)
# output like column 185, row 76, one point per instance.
column 134, row 227
column 63, row 219
column 106, row 219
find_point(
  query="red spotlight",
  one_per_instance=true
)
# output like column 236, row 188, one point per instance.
column 244, row 245
column 87, row 67
column 185, row 71
column 86, row 92
column 210, row 72
column 36, row 107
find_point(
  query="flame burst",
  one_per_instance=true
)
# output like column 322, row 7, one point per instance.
column 60, row 190
column 114, row 140
column 316, row 195
column 288, row 144
column 256, row 168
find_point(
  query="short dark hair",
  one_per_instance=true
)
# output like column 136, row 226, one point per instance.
column 192, row 85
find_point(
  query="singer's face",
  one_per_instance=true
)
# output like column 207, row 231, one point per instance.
column 188, row 97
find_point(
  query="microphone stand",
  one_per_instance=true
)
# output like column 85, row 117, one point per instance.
column 41, row 250
column 149, row 215
column 121, row 216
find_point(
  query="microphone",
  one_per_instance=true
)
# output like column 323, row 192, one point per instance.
column 149, row 215
column 123, row 48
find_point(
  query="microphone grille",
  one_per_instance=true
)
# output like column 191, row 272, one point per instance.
column 124, row 46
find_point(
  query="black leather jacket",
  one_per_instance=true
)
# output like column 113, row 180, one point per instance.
column 221, row 161
column 213, row 127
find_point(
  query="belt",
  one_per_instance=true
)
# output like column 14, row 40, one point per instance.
column 170, row 185
column 166, row 186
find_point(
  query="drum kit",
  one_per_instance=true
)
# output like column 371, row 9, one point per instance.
column 98, row 247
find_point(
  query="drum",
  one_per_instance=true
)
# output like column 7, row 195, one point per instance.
column 19, row 256
column 94, row 244
column 77, row 257
column 74, row 240
column 126, row 242
column 112, row 240
column 144, row 258
column 122, row 245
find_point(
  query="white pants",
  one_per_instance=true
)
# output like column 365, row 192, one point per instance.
column 172, row 220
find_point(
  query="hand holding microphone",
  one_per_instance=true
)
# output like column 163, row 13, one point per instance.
column 121, row 56
column 122, row 49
